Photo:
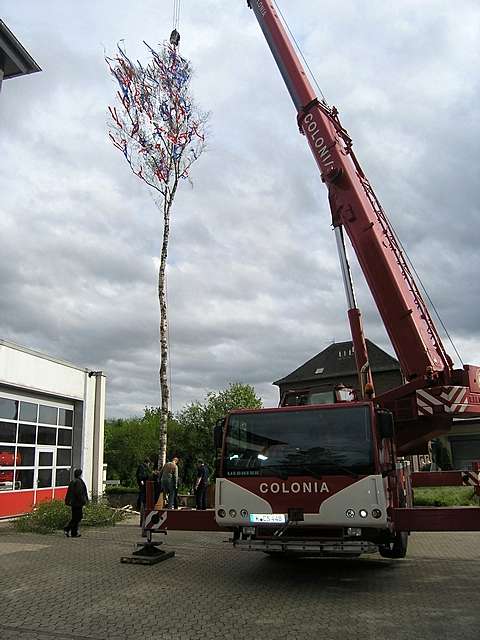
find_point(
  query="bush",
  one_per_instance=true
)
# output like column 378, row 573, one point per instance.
column 100, row 514
column 50, row 516
column 445, row 497
column 119, row 489
column 45, row 518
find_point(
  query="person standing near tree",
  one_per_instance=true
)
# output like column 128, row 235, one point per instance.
column 201, row 485
column 142, row 475
column 169, row 482
column 76, row 498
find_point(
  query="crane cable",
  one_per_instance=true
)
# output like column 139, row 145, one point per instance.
column 175, row 35
column 176, row 14
column 300, row 51
column 422, row 286
column 427, row 295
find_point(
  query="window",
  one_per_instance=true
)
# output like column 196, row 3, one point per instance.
column 7, row 456
column 62, row 477
column 330, row 441
column 65, row 437
column 64, row 457
column 321, row 397
column 45, row 458
column 7, row 462
column 27, row 433
column 44, row 478
column 25, row 456
column 65, row 417
column 32, row 446
column 24, row 479
column 46, row 435
column 8, row 431
column 8, row 408
column 48, row 415
column 28, row 411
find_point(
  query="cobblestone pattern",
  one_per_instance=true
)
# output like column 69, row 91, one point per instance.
column 54, row 588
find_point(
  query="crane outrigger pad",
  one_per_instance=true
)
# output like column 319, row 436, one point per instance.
column 164, row 555
column 148, row 553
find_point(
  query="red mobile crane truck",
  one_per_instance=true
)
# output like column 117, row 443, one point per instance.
column 327, row 478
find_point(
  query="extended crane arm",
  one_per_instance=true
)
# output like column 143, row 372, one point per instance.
column 355, row 206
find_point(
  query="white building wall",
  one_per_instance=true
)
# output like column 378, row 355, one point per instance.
column 99, row 437
column 87, row 435
column 32, row 372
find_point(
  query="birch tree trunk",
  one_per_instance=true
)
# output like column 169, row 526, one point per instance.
column 163, row 372
column 162, row 300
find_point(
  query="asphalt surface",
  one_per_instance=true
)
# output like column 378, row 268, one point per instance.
column 54, row 588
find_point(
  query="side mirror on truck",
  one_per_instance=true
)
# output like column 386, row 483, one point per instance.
column 218, row 433
column 385, row 424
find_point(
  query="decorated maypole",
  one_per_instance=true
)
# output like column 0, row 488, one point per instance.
column 161, row 133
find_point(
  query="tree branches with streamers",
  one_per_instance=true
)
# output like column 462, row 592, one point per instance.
column 161, row 133
column 156, row 125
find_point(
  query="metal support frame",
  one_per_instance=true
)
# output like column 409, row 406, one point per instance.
column 444, row 478
column 148, row 552
column 354, row 316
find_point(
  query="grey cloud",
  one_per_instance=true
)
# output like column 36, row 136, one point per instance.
column 254, row 285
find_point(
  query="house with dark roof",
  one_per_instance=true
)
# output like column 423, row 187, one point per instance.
column 336, row 364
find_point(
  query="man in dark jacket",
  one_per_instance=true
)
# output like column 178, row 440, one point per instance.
column 201, row 485
column 76, row 498
column 142, row 475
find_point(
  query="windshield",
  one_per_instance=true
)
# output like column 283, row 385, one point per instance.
column 334, row 441
column 296, row 399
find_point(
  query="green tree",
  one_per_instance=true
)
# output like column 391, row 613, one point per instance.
column 128, row 442
column 190, row 434
column 193, row 433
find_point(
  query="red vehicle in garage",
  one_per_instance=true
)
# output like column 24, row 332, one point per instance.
column 8, row 459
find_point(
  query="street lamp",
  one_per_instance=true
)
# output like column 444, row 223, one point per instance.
column 14, row 58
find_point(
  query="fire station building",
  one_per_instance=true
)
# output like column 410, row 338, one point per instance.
column 51, row 421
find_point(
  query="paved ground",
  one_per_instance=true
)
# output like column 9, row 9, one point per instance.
column 53, row 588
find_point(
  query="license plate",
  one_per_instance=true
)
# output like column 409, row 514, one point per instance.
column 267, row 518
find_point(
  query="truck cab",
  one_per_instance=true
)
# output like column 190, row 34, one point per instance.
column 311, row 479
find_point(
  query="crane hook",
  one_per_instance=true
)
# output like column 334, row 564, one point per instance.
column 175, row 38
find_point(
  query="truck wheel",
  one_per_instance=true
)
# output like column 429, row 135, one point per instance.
column 397, row 548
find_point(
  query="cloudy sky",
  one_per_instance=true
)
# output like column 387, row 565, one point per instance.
column 254, row 283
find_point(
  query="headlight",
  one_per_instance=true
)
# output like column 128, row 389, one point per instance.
column 232, row 513
column 244, row 513
column 363, row 513
column 376, row 513
column 221, row 513
column 354, row 531
column 350, row 513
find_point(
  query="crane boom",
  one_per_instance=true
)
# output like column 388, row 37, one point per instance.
column 355, row 207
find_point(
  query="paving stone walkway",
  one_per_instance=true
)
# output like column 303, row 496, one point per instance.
column 54, row 588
